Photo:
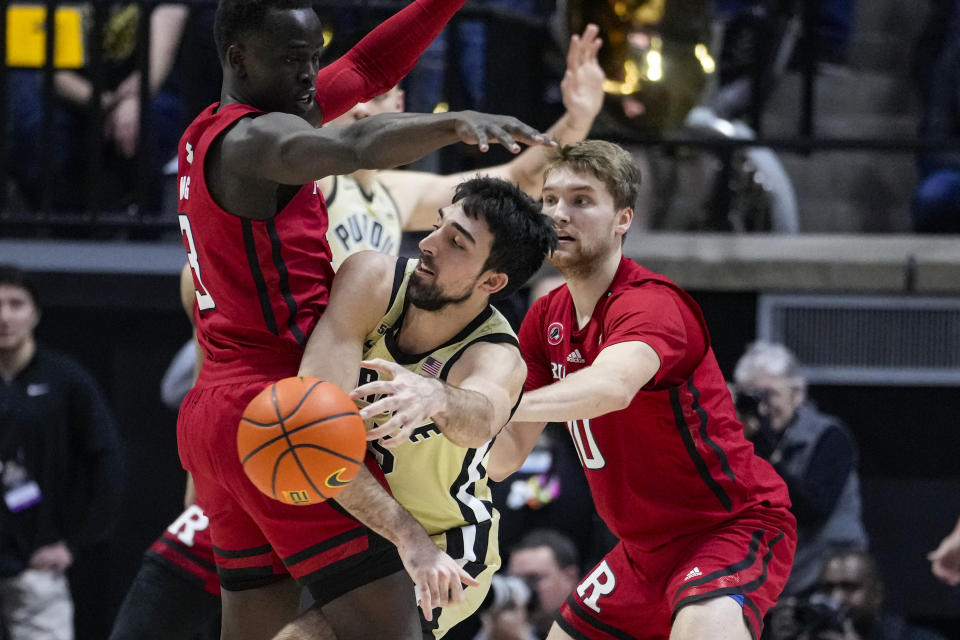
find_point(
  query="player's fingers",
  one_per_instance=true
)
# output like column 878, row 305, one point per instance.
column 387, row 429
column 398, row 437
column 467, row 579
column 500, row 135
column 385, row 404
column 573, row 55
column 527, row 134
column 383, row 366
column 426, row 603
column 377, row 387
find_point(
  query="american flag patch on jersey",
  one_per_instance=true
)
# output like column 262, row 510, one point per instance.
column 431, row 366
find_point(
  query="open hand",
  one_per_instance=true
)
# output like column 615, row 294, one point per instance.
column 55, row 558
column 582, row 84
column 482, row 129
column 945, row 559
column 411, row 398
column 438, row 578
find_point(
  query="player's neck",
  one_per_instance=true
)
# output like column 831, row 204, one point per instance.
column 13, row 361
column 587, row 283
column 366, row 178
column 424, row 331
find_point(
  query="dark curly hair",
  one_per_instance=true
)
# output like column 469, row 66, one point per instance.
column 522, row 234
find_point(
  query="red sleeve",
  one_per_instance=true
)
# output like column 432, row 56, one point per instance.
column 532, row 348
column 379, row 61
column 652, row 314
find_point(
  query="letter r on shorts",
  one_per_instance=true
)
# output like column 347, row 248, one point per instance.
column 599, row 583
column 189, row 522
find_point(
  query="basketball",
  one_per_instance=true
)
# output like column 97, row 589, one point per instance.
column 301, row 440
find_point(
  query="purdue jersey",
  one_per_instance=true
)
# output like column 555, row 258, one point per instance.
column 443, row 485
column 361, row 220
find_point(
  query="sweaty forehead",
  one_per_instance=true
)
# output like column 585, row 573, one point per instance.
column 291, row 26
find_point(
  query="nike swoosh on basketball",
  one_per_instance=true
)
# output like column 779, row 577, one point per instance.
column 334, row 479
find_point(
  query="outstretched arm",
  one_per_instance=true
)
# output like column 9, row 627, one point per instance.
column 469, row 408
column 383, row 57
column 420, row 194
column 607, row 385
column 333, row 353
column 284, row 149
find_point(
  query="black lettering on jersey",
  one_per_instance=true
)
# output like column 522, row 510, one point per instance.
column 342, row 235
column 376, row 234
column 359, row 226
column 426, row 431
column 384, row 456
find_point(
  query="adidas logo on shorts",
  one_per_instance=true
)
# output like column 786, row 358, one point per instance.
column 693, row 574
column 576, row 357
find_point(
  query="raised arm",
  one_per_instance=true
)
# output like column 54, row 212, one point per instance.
column 383, row 57
column 469, row 408
column 285, row 149
column 420, row 194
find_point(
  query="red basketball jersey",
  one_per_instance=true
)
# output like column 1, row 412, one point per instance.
column 261, row 284
column 675, row 461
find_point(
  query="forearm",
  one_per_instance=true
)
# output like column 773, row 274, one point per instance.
column 527, row 168
column 382, row 58
column 73, row 87
column 370, row 503
column 468, row 418
column 105, row 475
column 166, row 27
column 512, row 446
column 580, row 395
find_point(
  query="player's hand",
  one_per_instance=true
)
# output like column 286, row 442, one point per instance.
column 582, row 84
column 410, row 398
column 55, row 558
column 484, row 129
column 945, row 559
column 437, row 577
column 123, row 125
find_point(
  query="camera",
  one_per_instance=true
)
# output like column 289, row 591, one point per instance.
column 748, row 403
column 816, row 614
column 508, row 592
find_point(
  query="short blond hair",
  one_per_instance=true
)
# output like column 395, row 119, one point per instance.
column 610, row 163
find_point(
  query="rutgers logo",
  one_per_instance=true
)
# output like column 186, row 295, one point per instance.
column 555, row 333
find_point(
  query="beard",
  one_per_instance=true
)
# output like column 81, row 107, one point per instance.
column 430, row 297
column 581, row 261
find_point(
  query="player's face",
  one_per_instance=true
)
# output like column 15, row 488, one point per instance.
column 280, row 62
column 18, row 317
column 389, row 102
column 451, row 261
column 781, row 398
column 589, row 225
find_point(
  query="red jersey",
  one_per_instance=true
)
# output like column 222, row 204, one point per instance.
column 261, row 284
column 675, row 461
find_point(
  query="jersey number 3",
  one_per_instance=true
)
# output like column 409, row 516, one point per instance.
column 204, row 300
column 587, row 449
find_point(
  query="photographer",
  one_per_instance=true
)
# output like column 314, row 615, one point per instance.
column 504, row 613
column 813, row 452
column 846, row 605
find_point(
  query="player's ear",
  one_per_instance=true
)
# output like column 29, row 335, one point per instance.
column 623, row 219
column 493, row 281
column 236, row 59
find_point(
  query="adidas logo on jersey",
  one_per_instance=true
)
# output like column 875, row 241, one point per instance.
column 575, row 357
column 693, row 574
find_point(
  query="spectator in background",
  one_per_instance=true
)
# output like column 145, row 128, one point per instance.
column 848, row 604
column 549, row 563
column 813, row 452
column 60, row 457
column 119, row 105
column 505, row 613
column 936, row 204
column 945, row 559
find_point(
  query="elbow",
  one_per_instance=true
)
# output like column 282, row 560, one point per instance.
column 499, row 470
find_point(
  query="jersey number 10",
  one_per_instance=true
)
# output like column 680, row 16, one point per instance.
column 587, row 449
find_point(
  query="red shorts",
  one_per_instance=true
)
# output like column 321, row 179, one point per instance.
column 635, row 594
column 256, row 539
column 186, row 546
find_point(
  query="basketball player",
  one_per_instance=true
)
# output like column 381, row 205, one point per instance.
column 178, row 570
column 253, row 224
column 440, row 375
column 368, row 209
column 622, row 355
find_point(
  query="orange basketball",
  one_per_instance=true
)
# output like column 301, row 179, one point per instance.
column 301, row 440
